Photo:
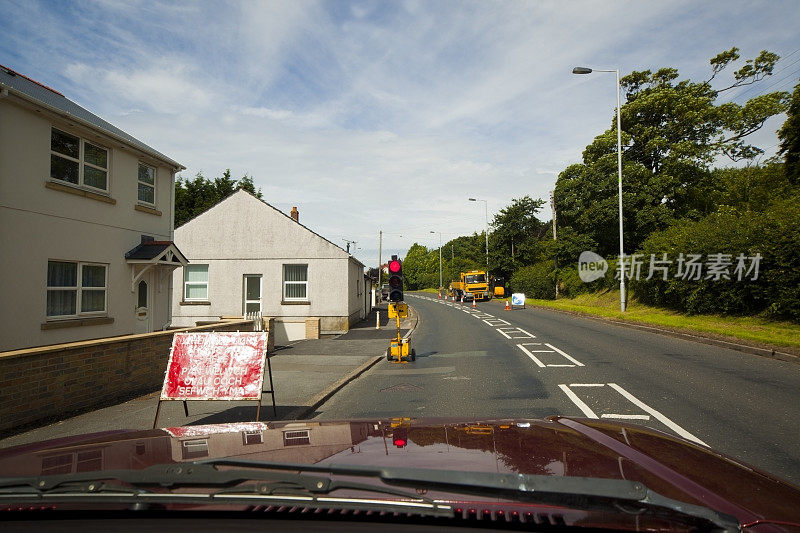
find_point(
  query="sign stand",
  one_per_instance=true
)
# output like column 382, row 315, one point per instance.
column 518, row 300
column 217, row 366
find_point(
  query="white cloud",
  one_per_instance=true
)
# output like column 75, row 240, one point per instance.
column 329, row 104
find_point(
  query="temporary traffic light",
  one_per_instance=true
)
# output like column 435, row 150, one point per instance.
column 395, row 280
column 400, row 437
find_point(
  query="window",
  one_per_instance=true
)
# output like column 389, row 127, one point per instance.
column 78, row 161
column 296, row 438
column 295, row 282
column 191, row 449
column 82, row 461
column 147, row 184
column 75, row 288
column 252, row 437
column 195, row 282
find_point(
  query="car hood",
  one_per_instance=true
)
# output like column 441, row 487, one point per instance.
column 556, row 446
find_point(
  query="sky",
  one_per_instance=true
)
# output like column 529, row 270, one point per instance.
column 385, row 115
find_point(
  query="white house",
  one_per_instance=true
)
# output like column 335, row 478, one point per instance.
column 76, row 196
column 246, row 256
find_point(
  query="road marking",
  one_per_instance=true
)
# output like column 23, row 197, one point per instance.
column 496, row 322
column 577, row 401
column 565, row 355
column 657, row 415
column 526, row 335
column 635, row 401
column 529, row 354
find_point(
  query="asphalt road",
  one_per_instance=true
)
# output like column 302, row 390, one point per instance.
column 491, row 363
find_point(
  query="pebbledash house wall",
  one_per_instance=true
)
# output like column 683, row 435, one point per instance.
column 52, row 382
column 45, row 219
column 243, row 235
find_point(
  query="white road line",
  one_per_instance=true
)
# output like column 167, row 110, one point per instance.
column 564, row 366
column 531, row 335
column 577, row 401
column 657, row 415
column 626, row 417
column 587, row 384
column 503, row 333
column 565, row 355
column 529, row 354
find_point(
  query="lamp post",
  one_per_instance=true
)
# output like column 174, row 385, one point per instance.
column 486, row 212
column 440, row 258
column 585, row 70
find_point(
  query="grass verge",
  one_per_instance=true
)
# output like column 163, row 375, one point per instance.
column 752, row 329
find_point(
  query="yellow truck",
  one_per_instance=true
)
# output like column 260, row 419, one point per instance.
column 471, row 285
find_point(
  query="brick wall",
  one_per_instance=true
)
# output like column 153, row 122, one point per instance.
column 48, row 382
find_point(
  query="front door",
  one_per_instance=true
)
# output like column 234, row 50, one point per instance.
column 252, row 294
column 144, row 296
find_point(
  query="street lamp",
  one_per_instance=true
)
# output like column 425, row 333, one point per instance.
column 585, row 70
column 440, row 258
column 486, row 210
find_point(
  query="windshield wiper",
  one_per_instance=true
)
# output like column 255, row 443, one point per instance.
column 239, row 485
column 286, row 481
column 615, row 495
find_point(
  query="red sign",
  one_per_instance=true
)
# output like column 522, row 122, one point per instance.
column 215, row 366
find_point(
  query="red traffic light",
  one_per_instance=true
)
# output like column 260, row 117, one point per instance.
column 400, row 437
column 399, row 442
column 394, row 266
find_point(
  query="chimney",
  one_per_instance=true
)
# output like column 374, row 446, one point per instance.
column 295, row 214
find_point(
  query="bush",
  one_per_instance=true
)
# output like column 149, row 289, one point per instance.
column 774, row 234
column 536, row 281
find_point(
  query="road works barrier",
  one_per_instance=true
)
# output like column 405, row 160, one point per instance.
column 49, row 383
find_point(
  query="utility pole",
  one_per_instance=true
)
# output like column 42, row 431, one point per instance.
column 380, row 258
column 555, row 255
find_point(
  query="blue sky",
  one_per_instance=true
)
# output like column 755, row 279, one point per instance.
column 328, row 105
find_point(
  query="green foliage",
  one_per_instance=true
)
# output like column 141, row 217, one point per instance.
column 790, row 139
column 516, row 239
column 192, row 197
column 418, row 268
column 536, row 281
column 672, row 131
column 773, row 233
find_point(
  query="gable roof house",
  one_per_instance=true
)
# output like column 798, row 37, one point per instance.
column 86, row 218
column 248, row 257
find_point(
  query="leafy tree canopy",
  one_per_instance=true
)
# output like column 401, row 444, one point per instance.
column 672, row 132
column 192, row 197
column 790, row 138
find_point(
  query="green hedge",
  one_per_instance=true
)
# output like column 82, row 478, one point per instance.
column 774, row 233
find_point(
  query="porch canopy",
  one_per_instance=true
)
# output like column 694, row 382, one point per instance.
column 153, row 255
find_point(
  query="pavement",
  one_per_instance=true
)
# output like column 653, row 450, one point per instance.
column 305, row 374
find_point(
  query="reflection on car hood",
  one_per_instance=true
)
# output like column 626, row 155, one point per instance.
column 556, row 446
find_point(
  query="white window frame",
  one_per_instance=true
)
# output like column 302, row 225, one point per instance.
column 152, row 186
column 79, row 290
column 196, row 283
column 297, row 437
column 245, row 301
column 81, row 163
column 285, row 283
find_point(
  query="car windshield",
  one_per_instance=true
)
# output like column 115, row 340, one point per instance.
column 551, row 239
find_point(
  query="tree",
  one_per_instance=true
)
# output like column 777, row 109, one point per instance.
column 192, row 197
column 672, row 132
column 516, row 235
column 790, row 139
